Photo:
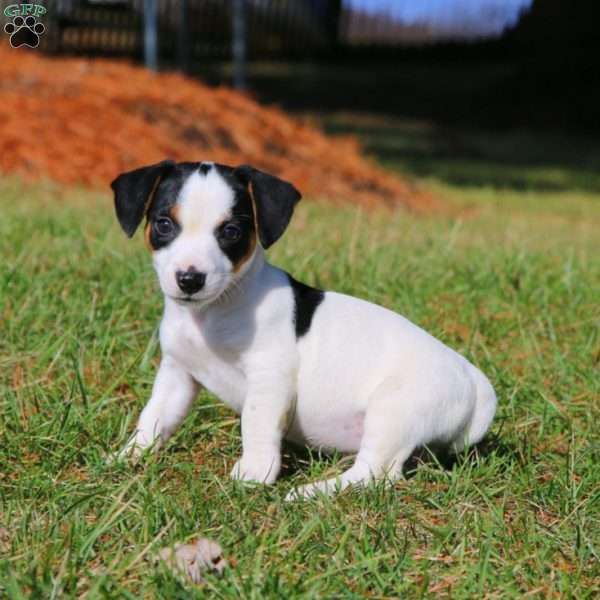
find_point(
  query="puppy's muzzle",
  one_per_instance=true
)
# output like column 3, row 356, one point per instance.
column 190, row 281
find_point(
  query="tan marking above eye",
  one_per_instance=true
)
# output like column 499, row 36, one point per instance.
column 251, row 246
column 150, row 197
column 147, row 231
column 174, row 212
column 253, row 203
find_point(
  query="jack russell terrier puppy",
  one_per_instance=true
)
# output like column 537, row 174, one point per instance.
column 317, row 368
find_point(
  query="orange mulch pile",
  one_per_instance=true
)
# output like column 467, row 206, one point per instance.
column 85, row 121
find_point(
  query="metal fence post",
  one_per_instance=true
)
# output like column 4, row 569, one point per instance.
column 183, row 37
column 238, row 43
column 333, row 22
column 151, row 34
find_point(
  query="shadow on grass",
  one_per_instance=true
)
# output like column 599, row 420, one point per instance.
column 491, row 445
column 298, row 459
column 518, row 160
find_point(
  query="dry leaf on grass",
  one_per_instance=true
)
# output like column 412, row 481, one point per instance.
column 192, row 560
column 4, row 539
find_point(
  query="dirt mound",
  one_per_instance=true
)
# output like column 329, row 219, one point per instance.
column 85, row 121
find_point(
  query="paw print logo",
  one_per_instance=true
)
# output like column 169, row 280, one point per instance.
column 24, row 32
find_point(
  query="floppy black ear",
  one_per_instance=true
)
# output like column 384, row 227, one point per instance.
column 133, row 193
column 274, row 202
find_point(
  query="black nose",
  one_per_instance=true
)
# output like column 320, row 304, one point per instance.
column 190, row 281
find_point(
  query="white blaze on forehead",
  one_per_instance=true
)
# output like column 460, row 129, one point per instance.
column 205, row 200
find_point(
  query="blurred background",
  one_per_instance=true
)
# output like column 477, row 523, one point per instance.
column 471, row 92
column 477, row 119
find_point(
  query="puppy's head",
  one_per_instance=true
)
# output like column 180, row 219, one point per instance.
column 203, row 221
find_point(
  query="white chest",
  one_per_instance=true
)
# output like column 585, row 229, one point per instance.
column 211, row 352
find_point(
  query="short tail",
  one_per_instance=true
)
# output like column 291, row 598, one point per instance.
column 485, row 409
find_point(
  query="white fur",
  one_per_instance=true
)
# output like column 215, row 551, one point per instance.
column 362, row 379
column 204, row 201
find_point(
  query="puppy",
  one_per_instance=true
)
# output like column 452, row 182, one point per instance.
column 317, row 368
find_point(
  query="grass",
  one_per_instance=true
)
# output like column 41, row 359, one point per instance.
column 509, row 278
column 521, row 161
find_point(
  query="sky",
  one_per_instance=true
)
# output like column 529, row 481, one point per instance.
column 470, row 17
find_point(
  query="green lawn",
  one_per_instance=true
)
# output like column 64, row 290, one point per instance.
column 509, row 277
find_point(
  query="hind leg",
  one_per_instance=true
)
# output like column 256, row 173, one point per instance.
column 360, row 474
column 481, row 416
column 391, row 433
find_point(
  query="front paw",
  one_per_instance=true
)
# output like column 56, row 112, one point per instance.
column 128, row 454
column 312, row 490
column 262, row 468
column 132, row 452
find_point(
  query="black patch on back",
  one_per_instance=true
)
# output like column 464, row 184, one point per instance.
column 306, row 300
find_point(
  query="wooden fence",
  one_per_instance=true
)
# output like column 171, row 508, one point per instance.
column 187, row 29
column 190, row 31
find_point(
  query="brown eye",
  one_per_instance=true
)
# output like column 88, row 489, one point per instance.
column 164, row 226
column 231, row 232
